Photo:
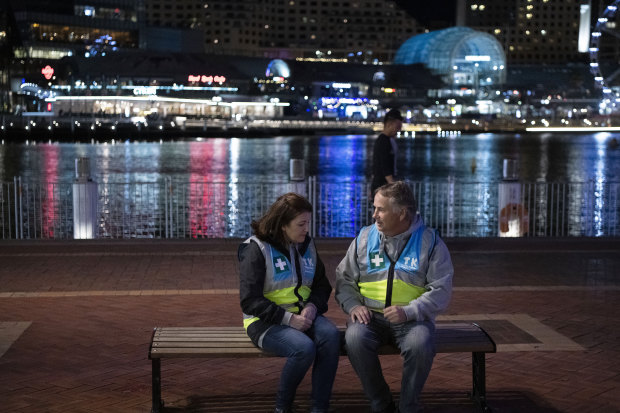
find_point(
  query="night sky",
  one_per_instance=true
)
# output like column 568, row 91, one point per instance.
column 429, row 12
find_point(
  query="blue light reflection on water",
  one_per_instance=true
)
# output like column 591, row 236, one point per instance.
column 542, row 157
column 345, row 159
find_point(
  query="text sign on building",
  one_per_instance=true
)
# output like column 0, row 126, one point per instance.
column 206, row 79
column 47, row 72
column 476, row 58
column 145, row 90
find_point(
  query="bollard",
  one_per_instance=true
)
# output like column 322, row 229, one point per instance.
column 510, row 170
column 513, row 216
column 84, row 201
column 297, row 177
column 82, row 169
column 297, row 170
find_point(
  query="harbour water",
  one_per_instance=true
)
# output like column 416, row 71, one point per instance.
column 463, row 158
column 214, row 187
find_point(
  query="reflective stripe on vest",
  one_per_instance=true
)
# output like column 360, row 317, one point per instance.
column 408, row 280
column 281, row 280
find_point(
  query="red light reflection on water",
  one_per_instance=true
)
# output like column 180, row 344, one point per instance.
column 51, row 199
column 208, row 188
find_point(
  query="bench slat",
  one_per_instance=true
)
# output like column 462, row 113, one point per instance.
column 202, row 344
column 222, row 339
column 200, row 352
column 233, row 341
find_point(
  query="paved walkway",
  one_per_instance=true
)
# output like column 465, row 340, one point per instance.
column 76, row 319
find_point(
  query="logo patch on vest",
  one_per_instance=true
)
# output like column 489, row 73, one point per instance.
column 377, row 261
column 280, row 265
column 411, row 263
column 308, row 267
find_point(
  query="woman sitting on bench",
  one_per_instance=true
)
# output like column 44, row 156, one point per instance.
column 284, row 292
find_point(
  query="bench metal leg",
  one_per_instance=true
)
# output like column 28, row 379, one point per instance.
column 479, row 391
column 156, row 380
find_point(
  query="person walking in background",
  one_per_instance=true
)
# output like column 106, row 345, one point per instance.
column 395, row 279
column 385, row 151
column 284, row 292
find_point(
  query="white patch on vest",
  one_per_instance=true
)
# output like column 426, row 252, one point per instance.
column 413, row 264
column 377, row 260
column 280, row 264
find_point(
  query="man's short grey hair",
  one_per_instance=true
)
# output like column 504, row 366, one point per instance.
column 400, row 195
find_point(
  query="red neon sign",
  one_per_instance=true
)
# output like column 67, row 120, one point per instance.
column 48, row 72
column 206, row 79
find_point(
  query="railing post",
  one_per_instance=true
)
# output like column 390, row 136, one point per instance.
column 19, row 221
column 169, row 228
column 310, row 185
column 15, row 207
column 166, row 234
column 450, row 212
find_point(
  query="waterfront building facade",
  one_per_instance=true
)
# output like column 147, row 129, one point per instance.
column 363, row 31
column 159, row 85
column 52, row 30
column 531, row 31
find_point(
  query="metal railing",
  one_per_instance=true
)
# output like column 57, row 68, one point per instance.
column 171, row 209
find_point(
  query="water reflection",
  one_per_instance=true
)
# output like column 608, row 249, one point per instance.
column 51, row 197
column 599, row 179
column 225, row 183
column 208, row 188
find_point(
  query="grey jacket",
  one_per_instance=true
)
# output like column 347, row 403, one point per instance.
column 438, row 275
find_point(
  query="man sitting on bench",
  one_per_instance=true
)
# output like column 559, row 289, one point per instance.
column 394, row 280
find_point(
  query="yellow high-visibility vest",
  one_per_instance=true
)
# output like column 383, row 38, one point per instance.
column 282, row 284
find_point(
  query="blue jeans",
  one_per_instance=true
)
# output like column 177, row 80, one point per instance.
column 417, row 347
column 320, row 345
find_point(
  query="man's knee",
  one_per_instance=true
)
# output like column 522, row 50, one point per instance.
column 357, row 338
column 419, row 342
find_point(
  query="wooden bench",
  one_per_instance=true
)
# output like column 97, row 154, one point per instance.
column 232, row 342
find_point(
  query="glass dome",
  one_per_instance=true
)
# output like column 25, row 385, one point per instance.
column 278, row 68
column 456, row 51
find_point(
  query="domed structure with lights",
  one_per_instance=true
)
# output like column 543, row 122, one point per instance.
column 462, row 56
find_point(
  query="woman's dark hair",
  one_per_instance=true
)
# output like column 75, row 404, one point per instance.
column 280, row 214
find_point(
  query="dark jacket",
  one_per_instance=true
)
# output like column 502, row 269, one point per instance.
column 382, row 161
column 252, row 270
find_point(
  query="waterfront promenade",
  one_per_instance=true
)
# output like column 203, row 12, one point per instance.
column 76, row 319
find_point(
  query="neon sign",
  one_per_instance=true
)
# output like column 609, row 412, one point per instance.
column 326, row 101
column 48, row 72
column 145, row 90
column 206, row 79
column 472, row 58
column 341, row 85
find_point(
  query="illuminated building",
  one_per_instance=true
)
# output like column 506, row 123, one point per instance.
column 52, row 30
column 353, row 31
column 470, row 62
column 228, row 87
column 531, row 31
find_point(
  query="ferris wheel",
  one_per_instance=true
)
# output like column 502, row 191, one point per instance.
column 605, row 55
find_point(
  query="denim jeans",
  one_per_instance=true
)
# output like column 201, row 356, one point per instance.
column 320, row 345
column 417, row 348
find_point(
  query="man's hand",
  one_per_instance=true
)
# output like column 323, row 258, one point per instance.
column 309, row 312
column 361, row 313
column 395, row 314
column 299, row 322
